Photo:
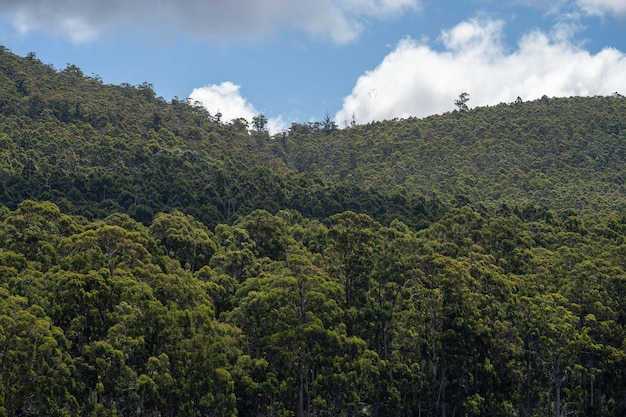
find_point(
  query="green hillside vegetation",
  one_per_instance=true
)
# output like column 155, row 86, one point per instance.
column 96, row 149
column 566, row 154
column 156, row 261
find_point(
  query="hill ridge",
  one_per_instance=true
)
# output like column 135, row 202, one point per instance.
column 95, row 149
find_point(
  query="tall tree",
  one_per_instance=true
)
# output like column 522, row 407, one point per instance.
column 259, row 122
column 461, row 102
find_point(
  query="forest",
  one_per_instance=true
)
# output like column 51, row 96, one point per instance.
column 157, row 261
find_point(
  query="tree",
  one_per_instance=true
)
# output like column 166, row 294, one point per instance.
column 550, row 338
column 184, row 239
column 35, row 367
column 351, row 253
column 328, row 125
column 109, row 247
column 259, row 123
column 268, row 232
column 456, row 312
column 461, row 102
column 240, row 124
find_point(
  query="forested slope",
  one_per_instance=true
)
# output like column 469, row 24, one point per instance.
column 155, row 261
column 96, row 149
column 567, row 153
column 279, row 315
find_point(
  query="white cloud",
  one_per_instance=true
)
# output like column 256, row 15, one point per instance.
column 338, row 20
column 226, row 99
column 417, row 80
column 277, row 124
column 602, row 7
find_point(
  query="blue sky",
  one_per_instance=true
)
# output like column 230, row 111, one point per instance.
column 361, row 60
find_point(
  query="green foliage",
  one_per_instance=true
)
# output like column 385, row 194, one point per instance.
column 154, row 261
column 183, row 238
column 567, row 155
column 478, row 313
column 461, row 102
column 96, row 149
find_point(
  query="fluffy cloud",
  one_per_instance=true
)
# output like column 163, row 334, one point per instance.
column 82, row 20
column 417, row 80
column 226, row 99
column 602, row 7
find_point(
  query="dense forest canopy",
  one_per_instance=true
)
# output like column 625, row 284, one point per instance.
column 156, row 261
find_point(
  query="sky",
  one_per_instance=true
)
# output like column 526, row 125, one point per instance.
column 356, row 61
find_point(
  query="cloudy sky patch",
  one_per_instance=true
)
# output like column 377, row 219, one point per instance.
column 360, row 60
column 417, row 80
column 340, row 21
column 226, row 99
column 616, row 8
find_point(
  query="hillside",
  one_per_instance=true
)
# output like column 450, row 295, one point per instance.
column 95, row 149
column 566, row 154
column 156, row 261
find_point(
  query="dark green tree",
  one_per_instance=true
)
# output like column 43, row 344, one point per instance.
column 461, row 102
column 259, row 122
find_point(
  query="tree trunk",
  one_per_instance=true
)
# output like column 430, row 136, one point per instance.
column 441, row 400
column 300, row 412
column 557, row 402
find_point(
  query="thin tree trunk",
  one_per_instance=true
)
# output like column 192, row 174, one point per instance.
column 441, row 401
column 557, row 405
column 300, row 390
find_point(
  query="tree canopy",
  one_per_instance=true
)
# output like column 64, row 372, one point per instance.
column 156, row 261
